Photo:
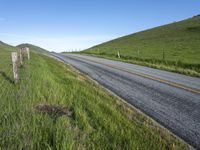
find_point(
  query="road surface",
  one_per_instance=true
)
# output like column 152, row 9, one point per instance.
column 171, row 99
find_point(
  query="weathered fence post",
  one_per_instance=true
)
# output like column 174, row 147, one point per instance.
column 15, row 66
column 118, row 54
column 21, row 57
column 163, row 54
column 138, row 52
column 28, row 52
column 25, row 52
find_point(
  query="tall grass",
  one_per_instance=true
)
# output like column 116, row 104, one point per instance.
column 98, row 121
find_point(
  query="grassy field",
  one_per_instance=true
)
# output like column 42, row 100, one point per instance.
column 174, row 47
column 54, row 107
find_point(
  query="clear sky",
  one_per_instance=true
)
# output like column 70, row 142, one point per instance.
column 61, row 25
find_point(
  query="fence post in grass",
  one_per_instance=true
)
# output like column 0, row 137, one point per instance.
column 118, row 54
column 163, row 54
column 21, row 57
column 28, row 52
column 25, row 52
column 15, row 66
column 138, row 52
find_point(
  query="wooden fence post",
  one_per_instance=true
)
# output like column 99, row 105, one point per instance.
column 28, row 53
column 118, row 54
column 25, row 52
column 163, row 54
column 138, row 53
column 21, row 57
column 15, row 66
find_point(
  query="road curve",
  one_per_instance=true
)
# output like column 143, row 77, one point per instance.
column 171, row 99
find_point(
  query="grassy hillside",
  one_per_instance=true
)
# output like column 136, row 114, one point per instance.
column 34, row 48
column 174, row 47
column 50, row 109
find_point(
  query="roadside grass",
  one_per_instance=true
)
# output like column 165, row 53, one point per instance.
column 33, row 112
column 173, row 66
column 174, row 47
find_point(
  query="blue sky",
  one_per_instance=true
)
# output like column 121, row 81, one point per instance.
column 61, row 25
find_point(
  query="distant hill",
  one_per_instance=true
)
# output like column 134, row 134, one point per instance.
column 33, row 48
column 179, row 41
column 7, row 47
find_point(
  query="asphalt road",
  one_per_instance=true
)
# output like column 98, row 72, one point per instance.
column 173, row 100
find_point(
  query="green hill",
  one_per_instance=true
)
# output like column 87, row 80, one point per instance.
column 50, row 109
column 5, row 61
column 34, row 48
column 174, row 47
column 7, row 47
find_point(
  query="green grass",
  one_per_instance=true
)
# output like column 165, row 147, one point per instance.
column 180, row 43
column 98, row 121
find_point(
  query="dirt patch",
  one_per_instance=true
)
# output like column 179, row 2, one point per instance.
column 81, row 78
column 53, row 110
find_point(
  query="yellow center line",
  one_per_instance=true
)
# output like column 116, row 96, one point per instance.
column 177, row 85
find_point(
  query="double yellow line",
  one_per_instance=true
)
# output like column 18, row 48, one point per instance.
column 193, row 90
